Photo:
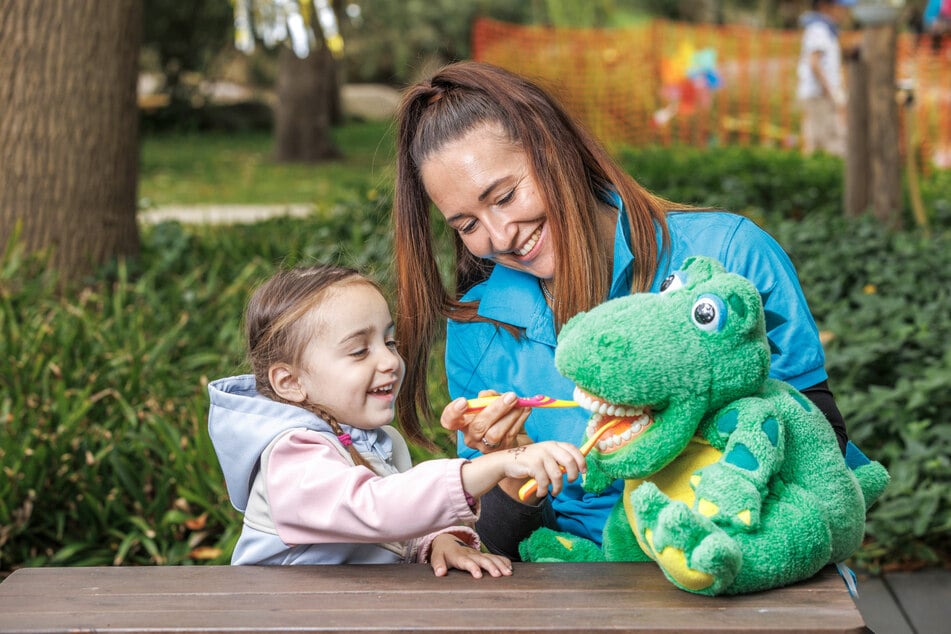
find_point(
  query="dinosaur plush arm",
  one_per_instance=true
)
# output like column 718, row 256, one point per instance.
column 731, row 491
column 596, row 479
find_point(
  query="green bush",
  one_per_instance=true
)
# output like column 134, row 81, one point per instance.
column 103, row 404
column 883, row 302
column 762, row 183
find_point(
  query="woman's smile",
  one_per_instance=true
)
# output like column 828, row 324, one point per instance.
column 527, row 248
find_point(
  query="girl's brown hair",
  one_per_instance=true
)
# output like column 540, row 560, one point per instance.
column 274, row 326
column 572, row 170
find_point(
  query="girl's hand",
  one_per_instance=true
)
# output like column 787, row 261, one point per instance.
column 546, row 462
column 494, row 428
column 448, row 551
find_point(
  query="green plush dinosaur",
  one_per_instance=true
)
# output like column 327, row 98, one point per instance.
column 734, row 482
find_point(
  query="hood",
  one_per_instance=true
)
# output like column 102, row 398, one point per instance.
column 242, row 423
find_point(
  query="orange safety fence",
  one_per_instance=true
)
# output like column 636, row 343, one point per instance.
column 666, row 83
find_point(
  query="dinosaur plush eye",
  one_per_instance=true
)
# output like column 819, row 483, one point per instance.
column 672, row 282
column 709, row 313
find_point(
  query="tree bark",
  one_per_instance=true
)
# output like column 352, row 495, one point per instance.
column 885, row 174
column 305, row 98
column 69, row 129
column 857, row 169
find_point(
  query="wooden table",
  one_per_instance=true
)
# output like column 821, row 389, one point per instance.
column 594, row 597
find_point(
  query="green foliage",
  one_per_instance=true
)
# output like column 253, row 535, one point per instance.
column 103, row 398
column 882, row 300
column 762, row 183
column 103, row 448
column 391, row 40
column 103, row 441
column 185, row 36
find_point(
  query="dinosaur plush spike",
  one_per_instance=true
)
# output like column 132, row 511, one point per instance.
column 734, row 481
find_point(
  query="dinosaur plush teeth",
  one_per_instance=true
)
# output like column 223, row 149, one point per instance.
column 599, row 406
column 625, row 429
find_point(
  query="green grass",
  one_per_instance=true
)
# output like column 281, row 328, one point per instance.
column 238, row 168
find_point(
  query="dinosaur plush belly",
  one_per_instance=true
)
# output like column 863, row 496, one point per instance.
column 674, row 482
column 674, row 479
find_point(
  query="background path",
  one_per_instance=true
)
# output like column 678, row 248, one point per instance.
column 221, row 214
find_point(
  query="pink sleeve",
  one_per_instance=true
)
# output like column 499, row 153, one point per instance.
column 316, row 496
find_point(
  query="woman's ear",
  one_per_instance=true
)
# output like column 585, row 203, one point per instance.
column 285, row 384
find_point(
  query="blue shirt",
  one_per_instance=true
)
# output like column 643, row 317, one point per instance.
column 480, row 356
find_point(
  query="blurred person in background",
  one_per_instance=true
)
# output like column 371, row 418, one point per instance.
column 820, row 90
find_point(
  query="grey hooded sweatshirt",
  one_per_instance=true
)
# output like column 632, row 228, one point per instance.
column 330, row 510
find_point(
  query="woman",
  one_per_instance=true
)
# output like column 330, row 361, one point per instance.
column 545, row 225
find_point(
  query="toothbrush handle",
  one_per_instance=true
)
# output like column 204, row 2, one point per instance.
column 477, row 404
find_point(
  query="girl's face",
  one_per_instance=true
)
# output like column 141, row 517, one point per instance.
column 483, row 186
column 350, row 366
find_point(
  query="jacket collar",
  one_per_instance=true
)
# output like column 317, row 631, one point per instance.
column 514, row 297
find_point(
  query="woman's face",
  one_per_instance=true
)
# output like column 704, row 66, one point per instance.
column 483, row 186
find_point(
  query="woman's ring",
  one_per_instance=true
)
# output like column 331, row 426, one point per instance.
column 490, row 445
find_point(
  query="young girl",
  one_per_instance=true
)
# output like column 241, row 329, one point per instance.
column 308, row 452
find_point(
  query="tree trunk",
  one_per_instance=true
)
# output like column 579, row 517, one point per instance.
column 879, row 48
column 305, row 89
column 857, row 168
column 69, row 128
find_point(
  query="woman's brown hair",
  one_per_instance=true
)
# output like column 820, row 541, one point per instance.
column 573, row 172
column 276, row 332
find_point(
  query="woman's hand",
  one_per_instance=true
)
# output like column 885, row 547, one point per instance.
column 496, row 427
column 448, row 551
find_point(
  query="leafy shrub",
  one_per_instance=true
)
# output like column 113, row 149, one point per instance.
column 882, row 301
column 762, row 183
column 103, row 441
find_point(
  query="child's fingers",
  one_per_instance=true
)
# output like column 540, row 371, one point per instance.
column 574, row 454
column 555, row 471
column 497, row 565
column 573, row 462
column 542, row 482
column 439, row 564
column 471, row 565
column 475, row 563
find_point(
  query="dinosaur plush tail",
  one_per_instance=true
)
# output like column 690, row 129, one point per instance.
column 872, row 476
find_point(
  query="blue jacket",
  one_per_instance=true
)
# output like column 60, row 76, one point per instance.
column 480, row 356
